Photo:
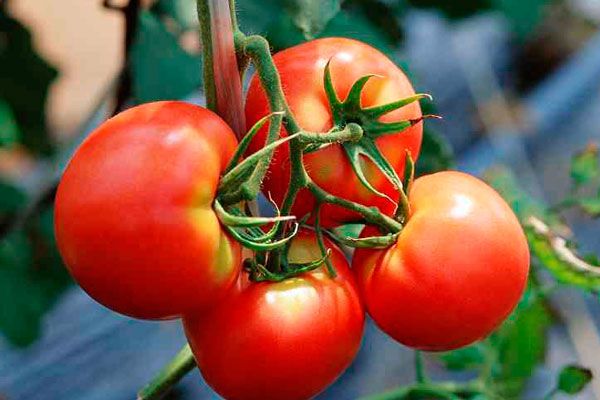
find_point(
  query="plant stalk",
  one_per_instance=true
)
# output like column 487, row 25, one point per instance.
column 171, row 374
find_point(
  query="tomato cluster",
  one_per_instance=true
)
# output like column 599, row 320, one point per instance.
column 138, row 228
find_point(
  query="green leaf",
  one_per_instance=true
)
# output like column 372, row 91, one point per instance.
column 257, row 16
column 454, row 9
column 9, row 131
column 312, row 16
column 591, row 205
column 573, row 379
column 182, row 11
column 11, row 199
column 349, row 230
column 24, row 82
column 539, row 244
column 31, row 279
column 436, row 153
column 524, row 16
column 521, row 344
column 467, row 358
column 355, row 25
column 522, row 203
column 585, row 167
column 161, row 69
column 562, row 271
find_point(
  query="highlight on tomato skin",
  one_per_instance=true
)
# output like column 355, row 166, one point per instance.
column 457, row 271
column 281, row 340
column 301, row 69
column 134, row 220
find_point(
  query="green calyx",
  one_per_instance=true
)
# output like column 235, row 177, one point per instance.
column 247, row 229
column 351, row 111
column 260, row 273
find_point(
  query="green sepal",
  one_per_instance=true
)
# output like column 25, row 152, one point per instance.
column 367, row 148
column 232, row 178
column 238, row 220
column 379, row 111
column 249, row 241
column 351, row 111
column 247, row 139
column 403, row 212
column 352, row 102
column 372, row 242
column 409, row 172
column 259, row 273
column 375, row 129
column 334, row 101
column 353, row 152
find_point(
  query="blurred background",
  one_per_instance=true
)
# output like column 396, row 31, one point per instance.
column 516, row 81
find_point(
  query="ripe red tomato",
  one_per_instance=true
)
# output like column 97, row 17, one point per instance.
column 285, row 340
column 458, row 269
column 301, row 69
column 134, row 221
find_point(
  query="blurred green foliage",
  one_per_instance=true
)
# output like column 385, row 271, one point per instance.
column 24, row 81
column 9, row 131
column 573, row 379
column 32, row 277
column 506, row 360
column 161, row 68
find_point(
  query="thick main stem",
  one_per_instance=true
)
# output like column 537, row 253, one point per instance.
column 210, row 91
column 227, row 82
column 172, row 373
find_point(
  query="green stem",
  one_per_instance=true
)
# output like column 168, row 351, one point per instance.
column 551, row 394
column 350, row 133
column 171, row 374
column 234, row 21
column 432, row 390
column 419, row 370
column 370, row 214
column 564, row 204
column 210, row 91
column 321, row 242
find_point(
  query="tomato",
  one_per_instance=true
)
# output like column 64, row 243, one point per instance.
column 457, row 271
column 134, row 219
column 281, row 340
column 301, row 69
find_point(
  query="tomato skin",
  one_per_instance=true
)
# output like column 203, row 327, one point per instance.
column 301, row 69
column 285, row 340
column 134, row 219
column 457, row 271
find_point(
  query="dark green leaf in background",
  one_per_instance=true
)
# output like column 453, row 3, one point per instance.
column 265, row 17
column 523, row 15
column 467, row 358
column 9, row 131
column 585, row 166
column 573, row 379
column 162, row 69
column 436, row 153
column 312, row 16
column 11, row 199
column 24, row 82
column 591, row 205
column 562, row 271
column 522, row 203
column 31, row 279
column 454, row 9
column 540, row 245
column 182, row 11
column 521, row 343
